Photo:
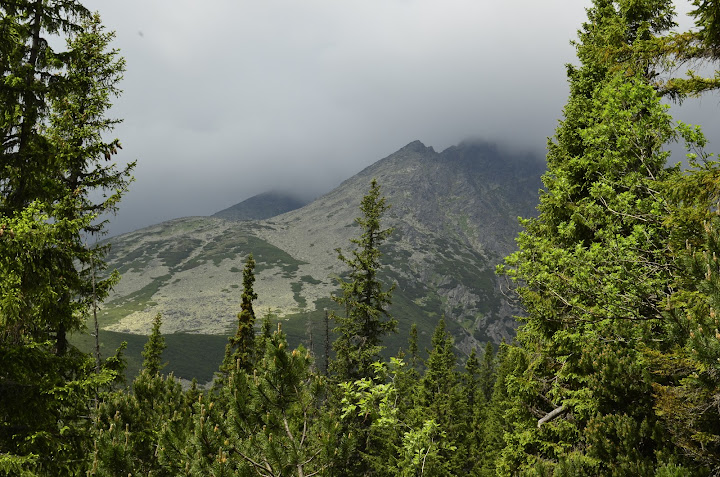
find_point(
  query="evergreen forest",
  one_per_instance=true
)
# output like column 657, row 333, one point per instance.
column 615, row 369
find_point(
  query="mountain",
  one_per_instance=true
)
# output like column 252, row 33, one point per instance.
column 261, row 206
column 454, row 215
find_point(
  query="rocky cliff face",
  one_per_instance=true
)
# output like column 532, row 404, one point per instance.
column 454, row 214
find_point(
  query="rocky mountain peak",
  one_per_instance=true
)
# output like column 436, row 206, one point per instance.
column 415, row 146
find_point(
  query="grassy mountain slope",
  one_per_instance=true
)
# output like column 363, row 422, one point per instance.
column 454, row 215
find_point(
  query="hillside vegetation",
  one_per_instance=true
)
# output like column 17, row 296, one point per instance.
column 614, row 369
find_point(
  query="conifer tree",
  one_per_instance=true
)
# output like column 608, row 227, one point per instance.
column 132, row 425
column 361, row 330
column 266, row 330
column 478, row 389
column 413, row 346
column 486, row 379
column 367, row 317
column 687, row 369
column 240, row 351
column 444, row 400
column 154, row 347
column 594, row 266
column 698, row 48
column 471, row 378
column 499, row 417
column 398, row 440
column 270, row 420
column 53, row 107
column 53, row 153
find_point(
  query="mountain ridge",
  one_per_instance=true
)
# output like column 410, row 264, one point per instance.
column 262, row 206
column 454, row 215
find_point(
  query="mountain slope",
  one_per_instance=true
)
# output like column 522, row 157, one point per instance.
column 261, row 206
column 454, row 215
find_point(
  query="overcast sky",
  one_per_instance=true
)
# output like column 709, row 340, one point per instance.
column 225, row 99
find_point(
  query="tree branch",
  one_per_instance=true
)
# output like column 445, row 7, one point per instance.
column 552, row 415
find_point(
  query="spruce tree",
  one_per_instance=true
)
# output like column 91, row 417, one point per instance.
column 593, row 268
column 240, row 351
column 153, row 349
column 486, row 379
column 500, row 418
column 471, row 378
column 698, row 49
column 361, row 330
column 367, row 319
column 444, row 400
column 413, row 346
column 52, row 162
column 53, row 153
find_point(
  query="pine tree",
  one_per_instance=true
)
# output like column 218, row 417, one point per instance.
column 266, row 330
column 133, row 425
column 367, row 317
column 269, row 423
column 687, row 369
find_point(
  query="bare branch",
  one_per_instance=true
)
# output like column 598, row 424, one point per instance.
column 552, row 415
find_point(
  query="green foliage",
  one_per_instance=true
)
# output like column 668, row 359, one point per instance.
column 687, row 370
column 595, row 270
column 444, row 400
column 152, row 352
column 266, row 422
column 393, row 443
column 131, row 426
column 52, row 171
column 240, row 351
column 595, row 267
column 695, row 49
column 413, row 346
column 615, row 371
column 366, row 320
column 45, row 426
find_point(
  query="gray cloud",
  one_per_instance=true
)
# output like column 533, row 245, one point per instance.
column 225, row 99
